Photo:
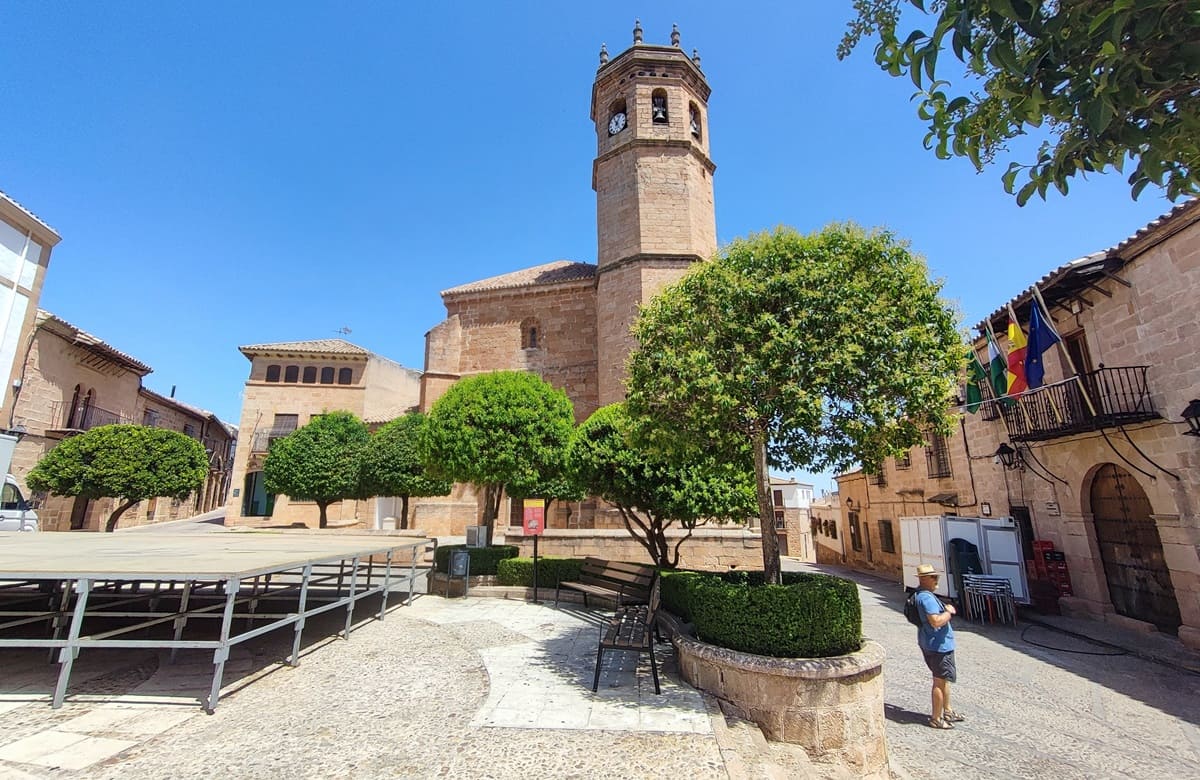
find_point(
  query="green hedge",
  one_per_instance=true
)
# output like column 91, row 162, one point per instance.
column 811, row 616
column 551, row 569
column 483, row 559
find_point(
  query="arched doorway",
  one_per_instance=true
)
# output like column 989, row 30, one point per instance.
column 1139, row 583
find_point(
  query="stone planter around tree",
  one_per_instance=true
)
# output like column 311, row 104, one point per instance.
column 833, row 707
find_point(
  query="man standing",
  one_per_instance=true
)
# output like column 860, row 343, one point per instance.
column 936, row 639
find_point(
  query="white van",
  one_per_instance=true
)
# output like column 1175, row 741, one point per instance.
column 15, row 514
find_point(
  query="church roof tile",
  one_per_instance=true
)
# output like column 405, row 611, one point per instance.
column 549, row 273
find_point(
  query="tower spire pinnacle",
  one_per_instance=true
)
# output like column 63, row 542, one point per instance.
column 637, row 31
column 675, row 35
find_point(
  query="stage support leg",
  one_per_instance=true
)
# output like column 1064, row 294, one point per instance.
column 350, row 600
column 67, row 655
column 181, row 619
column 221, row 654
column 302, row 608
column 387, row 585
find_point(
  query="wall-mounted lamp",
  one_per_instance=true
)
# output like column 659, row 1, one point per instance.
column 849, row 503
column 1191, row 416
column 1007, row 456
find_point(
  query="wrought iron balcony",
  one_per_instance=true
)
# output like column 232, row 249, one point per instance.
column 84, row 418
column 1118, row 396
column 262, row 439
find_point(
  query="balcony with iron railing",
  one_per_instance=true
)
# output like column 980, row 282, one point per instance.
column 84, row 418
column 1099, row 399
column 262, row 439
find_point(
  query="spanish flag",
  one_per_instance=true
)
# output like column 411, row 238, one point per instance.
column 1016, row 355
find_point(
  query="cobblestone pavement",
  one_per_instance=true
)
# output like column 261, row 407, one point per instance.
column 471, row 688
column 1032, row 712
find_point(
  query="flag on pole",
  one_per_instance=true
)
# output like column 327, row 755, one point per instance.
column 1042, row 336
column 1017, row 383
column 976, row 376
column 997, row 366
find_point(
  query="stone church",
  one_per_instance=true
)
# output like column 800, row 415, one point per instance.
column 569, row 322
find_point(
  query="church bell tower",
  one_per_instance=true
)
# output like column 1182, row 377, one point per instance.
column 654, row 192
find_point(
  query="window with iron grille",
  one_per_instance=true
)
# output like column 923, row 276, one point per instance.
column 937, row 456
column 887, row 542
column 189, row 430
column 780, row 524
column 855, row 532
column 904, row 461
column 272, row 373
column 310, row 375
column 879, row 478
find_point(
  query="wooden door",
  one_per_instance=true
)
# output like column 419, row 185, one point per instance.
column 1139, row 582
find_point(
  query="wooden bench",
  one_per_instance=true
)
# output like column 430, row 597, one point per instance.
column 632, row 628
column 622, row 582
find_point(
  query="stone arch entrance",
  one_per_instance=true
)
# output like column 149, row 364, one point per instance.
column 1139, row 582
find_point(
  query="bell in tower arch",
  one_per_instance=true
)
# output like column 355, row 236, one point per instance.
column 658, row 107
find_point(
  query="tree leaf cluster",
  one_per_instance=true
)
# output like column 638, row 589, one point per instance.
column 501, row 430
column 130, row 463
column 835, row 345
column 1112, row 81
column 653, row 492
column 319, row 462
column 809, row 351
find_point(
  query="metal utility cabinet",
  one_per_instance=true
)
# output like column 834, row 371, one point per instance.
column 998, row 540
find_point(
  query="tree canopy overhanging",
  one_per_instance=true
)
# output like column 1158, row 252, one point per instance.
column 1111, row 79
column 129, row 463
column 813, row 351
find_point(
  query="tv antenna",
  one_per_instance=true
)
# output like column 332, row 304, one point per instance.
column 344, row 330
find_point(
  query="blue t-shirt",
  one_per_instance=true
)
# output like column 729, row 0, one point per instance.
column 932, row 640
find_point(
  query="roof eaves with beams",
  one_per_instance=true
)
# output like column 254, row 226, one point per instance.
column 82, row 338
column 1074, row 281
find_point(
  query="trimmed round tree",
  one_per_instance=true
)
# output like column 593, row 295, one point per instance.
column 392, row 465
column 652, row 492
column 319, row 462
column 817, row 350
column 501, row 429
column 129, row 463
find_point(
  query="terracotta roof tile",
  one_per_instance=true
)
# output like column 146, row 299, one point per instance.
column 317, row 346
column 550, row 273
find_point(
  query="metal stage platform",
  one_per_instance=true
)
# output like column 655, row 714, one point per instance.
column 143, row 590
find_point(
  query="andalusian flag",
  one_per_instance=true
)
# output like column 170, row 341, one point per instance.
column 976, row 377
column 1016, row 355
column 997, row 367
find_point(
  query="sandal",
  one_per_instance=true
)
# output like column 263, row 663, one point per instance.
column 952, row 716
column 939, row 724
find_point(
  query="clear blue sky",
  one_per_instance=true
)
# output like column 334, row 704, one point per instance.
column 228, row 173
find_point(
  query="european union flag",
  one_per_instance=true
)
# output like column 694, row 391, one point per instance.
column 1042, row 336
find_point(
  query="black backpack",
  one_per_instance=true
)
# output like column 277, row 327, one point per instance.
column 911, row 612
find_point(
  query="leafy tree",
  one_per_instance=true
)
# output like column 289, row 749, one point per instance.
column 1111, row 78
column 652, row 492
column 129, row 463
column 501, row 429
column 819, row 350
column 392, row 465
column 319, row 462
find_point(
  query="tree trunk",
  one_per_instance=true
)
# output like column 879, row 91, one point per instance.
column 324, row 522
column 403, row 513
column 111, row 525
column 766, row 511
column 492, row 495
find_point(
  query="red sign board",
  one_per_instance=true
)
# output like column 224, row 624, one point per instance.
column 534, row 521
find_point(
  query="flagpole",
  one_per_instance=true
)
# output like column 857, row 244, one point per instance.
column 1037, row 294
